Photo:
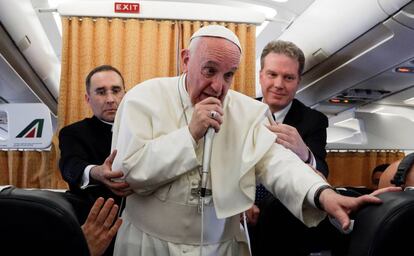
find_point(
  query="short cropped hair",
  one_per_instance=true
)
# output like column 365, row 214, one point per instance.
column 98, row 69
column 380, row 168
column 284, row 47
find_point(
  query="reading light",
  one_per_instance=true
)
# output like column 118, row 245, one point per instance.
column 340, row 100
column 405, row 70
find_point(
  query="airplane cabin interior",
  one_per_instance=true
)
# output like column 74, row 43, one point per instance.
column 359, row 72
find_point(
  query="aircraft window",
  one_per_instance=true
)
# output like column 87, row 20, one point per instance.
column 4, row 126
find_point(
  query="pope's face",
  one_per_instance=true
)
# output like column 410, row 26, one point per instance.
column 210, row 66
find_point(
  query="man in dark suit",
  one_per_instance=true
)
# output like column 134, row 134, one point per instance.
column 85, row 160
column 299, row 128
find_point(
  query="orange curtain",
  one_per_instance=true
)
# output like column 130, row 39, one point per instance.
column 140, row 49
column 355, row 168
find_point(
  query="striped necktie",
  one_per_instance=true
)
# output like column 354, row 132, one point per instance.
column 261, row 193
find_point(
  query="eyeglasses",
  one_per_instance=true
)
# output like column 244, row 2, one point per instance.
column 115, row 90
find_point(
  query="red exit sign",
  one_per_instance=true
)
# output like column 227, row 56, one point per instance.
column 126, row 7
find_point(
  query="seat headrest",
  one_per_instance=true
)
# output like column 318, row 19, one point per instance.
column 403, row 167
column 381, row 230
column 38, row 222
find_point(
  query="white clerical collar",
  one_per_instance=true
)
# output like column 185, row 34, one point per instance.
column 281, row 114
column 111, row 124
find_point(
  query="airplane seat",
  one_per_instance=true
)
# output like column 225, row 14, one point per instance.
column 39, row 222
column 348, row 191
column 80, row 204
column 384, row 229
column 360, row 190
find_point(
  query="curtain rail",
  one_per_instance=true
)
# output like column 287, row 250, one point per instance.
column 364, row 150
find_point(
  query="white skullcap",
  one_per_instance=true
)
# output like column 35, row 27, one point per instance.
column 217, row 31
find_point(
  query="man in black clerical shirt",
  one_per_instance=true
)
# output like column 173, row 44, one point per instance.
column 85, row 146
column 85, row 160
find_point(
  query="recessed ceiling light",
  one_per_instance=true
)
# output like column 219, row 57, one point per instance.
column 404, row 70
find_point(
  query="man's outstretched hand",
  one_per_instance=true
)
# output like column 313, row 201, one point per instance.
column 99, row 227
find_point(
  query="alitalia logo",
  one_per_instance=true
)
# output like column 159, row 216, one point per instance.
column 33, row 130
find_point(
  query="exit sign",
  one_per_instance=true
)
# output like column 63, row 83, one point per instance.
column 126, row 7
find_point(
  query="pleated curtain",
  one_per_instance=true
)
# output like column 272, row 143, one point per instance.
column 140, row 49
column 354, row 168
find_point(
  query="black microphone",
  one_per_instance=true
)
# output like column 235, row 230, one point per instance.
column 208, row 146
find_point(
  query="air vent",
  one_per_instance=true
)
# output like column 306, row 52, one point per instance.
column 358, row 96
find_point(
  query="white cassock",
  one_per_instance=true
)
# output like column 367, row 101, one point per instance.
column 161, row 163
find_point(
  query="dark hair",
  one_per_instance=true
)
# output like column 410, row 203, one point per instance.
column 287, row 48
column 380, row 168
column 101, row 69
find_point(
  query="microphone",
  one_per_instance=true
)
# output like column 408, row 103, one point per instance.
column 208, row 146
column 270, row 117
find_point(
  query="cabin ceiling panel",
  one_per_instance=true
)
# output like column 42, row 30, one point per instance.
column 12, row 87
column 367, row 63
column 382, row 131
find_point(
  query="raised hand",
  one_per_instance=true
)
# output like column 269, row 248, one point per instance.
column 289, row 137
column 99, row 227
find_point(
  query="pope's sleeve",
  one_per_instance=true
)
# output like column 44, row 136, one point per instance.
column 149, row 161
column 290, row 180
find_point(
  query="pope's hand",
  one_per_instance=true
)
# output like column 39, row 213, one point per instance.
column 207, row 113
column 340, row 207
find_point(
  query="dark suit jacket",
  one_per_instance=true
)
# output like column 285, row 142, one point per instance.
column 81, row 144
column 278, row 232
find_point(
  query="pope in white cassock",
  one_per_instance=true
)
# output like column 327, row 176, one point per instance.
column 158, row 133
